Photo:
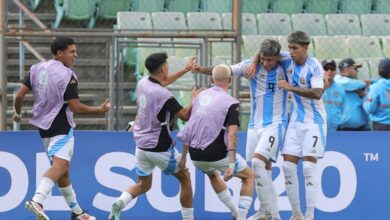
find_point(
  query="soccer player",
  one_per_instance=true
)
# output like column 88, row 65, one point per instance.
column 54, row 86
column 306, row 133
column 156, row 108
column 377, row 103
column 215, row 115
column 268, row 121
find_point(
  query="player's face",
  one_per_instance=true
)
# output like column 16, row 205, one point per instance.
column 352, row 72
column 298, row 52
column 268, row 62
column 330, row 72
column 68, row 56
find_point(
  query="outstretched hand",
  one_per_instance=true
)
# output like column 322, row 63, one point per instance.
column 106, row 105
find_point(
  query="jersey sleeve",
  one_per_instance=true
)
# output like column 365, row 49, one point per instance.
column 233, row 115
column 239, row 68
column 27, row 82
column 72, row 91
column 285, row 59
column 172, row 105
column 317, row 77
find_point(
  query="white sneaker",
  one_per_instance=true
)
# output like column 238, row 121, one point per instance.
column 83, row 216
column 297, row 217
column 260, row 216
column 37, row 209
column 115, row 210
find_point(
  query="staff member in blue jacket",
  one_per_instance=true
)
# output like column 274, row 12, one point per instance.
column 333, row 97
column 354, row 117
column 377, row 104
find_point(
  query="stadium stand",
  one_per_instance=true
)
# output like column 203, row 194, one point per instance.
column 74, row 10
column 313, row 24
column 183, row 6
column 274, row 24
column 287, row 6
column 249, row 23
column 322, row 6
column 255, row 6
column 375, row 24
column 356, row 6
column 217, row 6
column 147, row 6
column 343, row 24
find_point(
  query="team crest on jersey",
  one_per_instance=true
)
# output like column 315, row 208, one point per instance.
column 262, row 76
column 336, row 94
column 205, row 99
column 302, row 80
column 290, row 71
column 142, row 101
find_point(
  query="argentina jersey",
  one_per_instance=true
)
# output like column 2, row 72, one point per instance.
column 309, row 75
column 268, row 102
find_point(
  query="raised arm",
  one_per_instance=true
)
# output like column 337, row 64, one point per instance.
column 174, row 76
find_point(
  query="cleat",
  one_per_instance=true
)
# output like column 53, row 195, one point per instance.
column 37, row 209
column 116, row 210
column 82, row 216
column 259, row 215
column 297, row 217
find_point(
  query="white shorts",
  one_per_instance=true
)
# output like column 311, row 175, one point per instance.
column 167, row 161
column 265, row 141
column 305, row 140
column 221, row 165
column 60, row 146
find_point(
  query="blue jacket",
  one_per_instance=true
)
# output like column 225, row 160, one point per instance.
column 334, row 100
column 354, row 116
column 377, row 104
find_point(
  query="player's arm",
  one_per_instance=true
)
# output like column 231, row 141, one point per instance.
column 72, row 97
column 311, row 93
column 196, row 68
column 233, row 124
column 23, row 90
column 174, row 76
column 185, row 113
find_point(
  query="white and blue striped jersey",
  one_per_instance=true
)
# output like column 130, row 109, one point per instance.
column 309, row 75
column 268, row 102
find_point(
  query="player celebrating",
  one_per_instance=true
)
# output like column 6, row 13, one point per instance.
column 268, row 121
column 156, row 107
column 215, row 115
column 306, row 133
column 54, row 87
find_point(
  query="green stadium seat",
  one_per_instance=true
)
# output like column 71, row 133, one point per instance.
column 204, row 21
column 217, row 6
column 147, row 6
column 373, row 63
column 249, row 23
column 356, row 6
column 287, row 6
column 274, row 24
column 364, row 71
column 183, row 6
column 386, row 46
column 222, row 50
column 251, row 44
column 381, row 7
column 130, row 20
column 330, row 47
column 364, row 47
column 313, row 24
column 322, row 6
column 108, row 9
column 343, row 24
column 375, row 24
column 74, row 10
column 255, row 6
column 169, row 21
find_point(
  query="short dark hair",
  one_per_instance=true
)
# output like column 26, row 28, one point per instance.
column 61, row 43
column 270, row 47
column 154, row 61
column 299, row 37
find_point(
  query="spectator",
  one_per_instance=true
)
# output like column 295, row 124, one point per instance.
column 377, row 104
column 333, row 97
column 354, row 117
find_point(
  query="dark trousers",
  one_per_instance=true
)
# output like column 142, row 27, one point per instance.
column 380, row 127
column 361, row 128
